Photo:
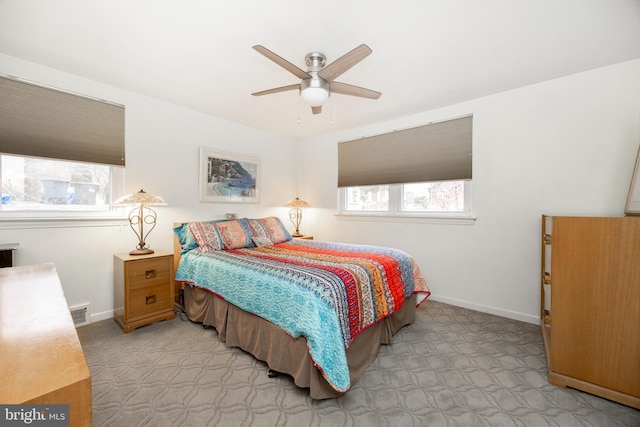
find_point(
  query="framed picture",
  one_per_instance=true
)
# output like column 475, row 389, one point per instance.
column 633, row 200
column 228, row 178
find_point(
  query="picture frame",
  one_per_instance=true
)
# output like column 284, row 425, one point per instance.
column 228, row 178
column 633, row 200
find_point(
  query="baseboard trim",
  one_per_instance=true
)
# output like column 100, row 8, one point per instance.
column 96, row 317
column 523, row 317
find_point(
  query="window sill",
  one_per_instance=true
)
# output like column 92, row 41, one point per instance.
column 12, row 221
column 457, row 219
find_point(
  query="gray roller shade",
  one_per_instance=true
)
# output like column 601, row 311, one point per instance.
column 434, row 152
column 40, row 121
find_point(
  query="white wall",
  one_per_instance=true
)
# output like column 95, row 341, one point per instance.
column 562, row 147
column 162, row 149
column 565, row 146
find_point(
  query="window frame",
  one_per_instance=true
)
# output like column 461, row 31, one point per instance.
column 14, row 218
column 395, row 212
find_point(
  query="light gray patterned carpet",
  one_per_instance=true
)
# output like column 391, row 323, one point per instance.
column 452, row 367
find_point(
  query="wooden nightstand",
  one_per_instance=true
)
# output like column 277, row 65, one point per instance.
column 303, row 237
column 142, row 289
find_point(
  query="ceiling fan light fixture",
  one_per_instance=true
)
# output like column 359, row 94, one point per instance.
column 314, row 91
column 314, row 96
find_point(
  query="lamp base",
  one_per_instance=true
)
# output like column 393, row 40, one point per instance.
column 297, row 235
column 146, row 251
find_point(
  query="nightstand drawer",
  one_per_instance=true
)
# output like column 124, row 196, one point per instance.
column 148, row 273
column 149, row 300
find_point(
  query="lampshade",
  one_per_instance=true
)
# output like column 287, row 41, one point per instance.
column 140, row 198
column 298, row 203
column 140, row 216
column 314, row 96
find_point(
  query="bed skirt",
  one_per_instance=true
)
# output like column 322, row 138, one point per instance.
column 283, row 353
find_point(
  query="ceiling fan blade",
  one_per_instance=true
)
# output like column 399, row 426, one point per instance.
column 282, row 62
column 276, row 90
column 345, row 62
column 316, row 110
column 347, row 89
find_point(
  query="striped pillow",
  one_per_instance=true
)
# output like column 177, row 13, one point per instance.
column 206, row 235
column 235, row 234
column 270, row 227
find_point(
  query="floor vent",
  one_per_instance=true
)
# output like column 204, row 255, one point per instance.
column 80, row 315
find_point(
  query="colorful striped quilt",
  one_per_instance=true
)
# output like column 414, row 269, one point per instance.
column 326, row 292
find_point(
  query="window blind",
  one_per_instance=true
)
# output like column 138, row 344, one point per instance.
column 40, row 121
column 434, row 152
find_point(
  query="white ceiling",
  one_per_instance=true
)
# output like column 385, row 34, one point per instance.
column 426, row 53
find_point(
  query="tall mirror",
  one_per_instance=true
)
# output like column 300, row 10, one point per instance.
column 633, row 200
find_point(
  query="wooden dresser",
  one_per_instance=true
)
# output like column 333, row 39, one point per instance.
column 590, row 311
column 41, row 360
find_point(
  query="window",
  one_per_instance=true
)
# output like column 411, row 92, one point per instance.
column 59, row 151
column 35, row 184
column 422, row 171
column 366, row 199
column 442, row 196
column 414, row 199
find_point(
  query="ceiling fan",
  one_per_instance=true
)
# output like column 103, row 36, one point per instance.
column 318, row 81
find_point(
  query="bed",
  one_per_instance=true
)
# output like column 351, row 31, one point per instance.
column 317, row 311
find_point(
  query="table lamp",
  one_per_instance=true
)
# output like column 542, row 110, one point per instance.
column 140, row 216
column 295, row 214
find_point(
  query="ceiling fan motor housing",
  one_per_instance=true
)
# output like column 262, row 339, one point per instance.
column 314, row 90
column 315, row 61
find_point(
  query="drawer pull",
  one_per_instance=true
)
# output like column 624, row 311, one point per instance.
column 150, row 274
column 150, row 299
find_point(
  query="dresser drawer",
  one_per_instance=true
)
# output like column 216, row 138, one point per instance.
column 148, row 273
column 149, row 300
